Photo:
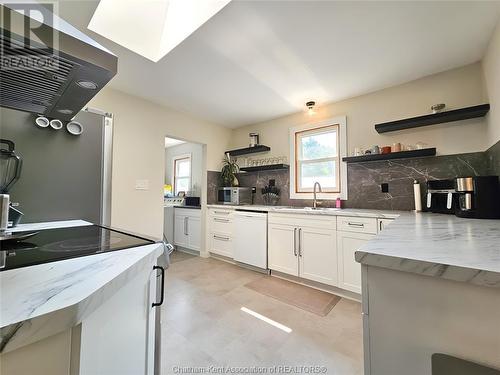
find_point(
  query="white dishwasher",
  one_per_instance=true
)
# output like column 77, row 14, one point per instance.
column 250, row 238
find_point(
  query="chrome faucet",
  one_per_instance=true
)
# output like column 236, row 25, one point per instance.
column 315, row 201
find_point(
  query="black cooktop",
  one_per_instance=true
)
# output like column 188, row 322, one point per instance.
column 50, row 245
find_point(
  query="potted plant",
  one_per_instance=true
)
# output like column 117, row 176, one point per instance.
column 228, row 171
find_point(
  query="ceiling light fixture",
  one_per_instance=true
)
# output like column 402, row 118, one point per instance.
column 310, row 107
column 152, row 28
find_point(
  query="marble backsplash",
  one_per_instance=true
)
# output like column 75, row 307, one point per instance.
column 364, row 179
column 493, row 155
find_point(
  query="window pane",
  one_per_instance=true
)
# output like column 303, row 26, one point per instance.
column 318, row 146
column 182, row 185
column 183, row 168
column 322, row 172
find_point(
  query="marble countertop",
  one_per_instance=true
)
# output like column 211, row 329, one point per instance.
column 444, row 246
column 41, row 300
column 382, row 214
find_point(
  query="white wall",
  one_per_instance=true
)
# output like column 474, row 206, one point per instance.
column 491, row 67
column 140, row 128
column 196, row 152
column 457, row 88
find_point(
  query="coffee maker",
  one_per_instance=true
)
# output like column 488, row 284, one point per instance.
column 478, row 197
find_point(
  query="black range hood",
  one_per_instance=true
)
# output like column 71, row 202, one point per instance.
column 55, row 70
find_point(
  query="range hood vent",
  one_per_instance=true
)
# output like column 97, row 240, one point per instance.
column 78, row 69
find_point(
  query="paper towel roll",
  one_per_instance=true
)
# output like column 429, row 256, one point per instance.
column 417, row 196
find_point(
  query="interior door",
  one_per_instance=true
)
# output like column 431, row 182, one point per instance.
column 282, row 250
column 318, row 255
column 350, row 270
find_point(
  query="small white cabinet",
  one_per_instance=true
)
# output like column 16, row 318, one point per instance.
column 353, row 233
column 350, row 270
column 303, row 246
column 220, row 224
column 282, row 250
column 187, row 228
column 383, row 223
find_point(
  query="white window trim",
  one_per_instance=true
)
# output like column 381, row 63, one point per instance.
column 342, row 122
column 180, row 157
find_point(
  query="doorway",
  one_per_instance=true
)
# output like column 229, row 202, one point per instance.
column 185, row 195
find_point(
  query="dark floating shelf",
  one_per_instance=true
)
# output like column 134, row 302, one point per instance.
column 271, row 167
column 248, row 150
column 435, row 118
column 392, row 155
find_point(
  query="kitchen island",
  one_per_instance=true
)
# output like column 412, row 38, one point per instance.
column 431, row 284
column 80, row 315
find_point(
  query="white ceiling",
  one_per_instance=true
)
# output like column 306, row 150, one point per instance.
column 171, row 142
column 258, row 60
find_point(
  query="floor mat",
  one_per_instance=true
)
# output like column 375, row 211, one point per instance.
column 303, row 297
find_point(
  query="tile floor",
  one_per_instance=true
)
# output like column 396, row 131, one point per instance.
column 203, row 324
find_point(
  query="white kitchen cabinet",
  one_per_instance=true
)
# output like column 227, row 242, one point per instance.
column 383, row 223
column 349, row 271
column 282, row 249
column 220, row 223
column 303, row 246
column 318, row 255
column 180, row 236
column 187, row 228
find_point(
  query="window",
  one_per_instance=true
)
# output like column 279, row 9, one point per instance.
column 317, row 159
column 316, row 153
column 182, row 174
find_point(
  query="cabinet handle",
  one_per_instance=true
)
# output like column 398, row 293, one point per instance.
column 162, row 270
column 221, row 238
column 300, row 242
column 294, row 241
column 221, row 220
column 185, row 226
column 359, row 225
column 380, row 226
column 222, row 212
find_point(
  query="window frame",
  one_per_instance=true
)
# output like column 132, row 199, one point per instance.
column 341, row 192
column 175, row 160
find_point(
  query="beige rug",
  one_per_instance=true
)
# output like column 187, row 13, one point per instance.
column 303, row 297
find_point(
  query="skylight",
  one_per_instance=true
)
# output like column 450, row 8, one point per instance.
column 152, row 28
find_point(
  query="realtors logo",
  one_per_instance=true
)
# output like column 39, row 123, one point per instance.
column 29, row 38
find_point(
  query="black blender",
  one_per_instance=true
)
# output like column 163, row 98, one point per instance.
column 10, row 171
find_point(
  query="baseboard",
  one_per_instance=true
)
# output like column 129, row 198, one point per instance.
column 187, row 251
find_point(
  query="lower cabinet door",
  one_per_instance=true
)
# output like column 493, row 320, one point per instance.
column 282, row 250
column 318, row 255
column 116, row 338
column 180, row 236
column 350, row 270
column 194, row 233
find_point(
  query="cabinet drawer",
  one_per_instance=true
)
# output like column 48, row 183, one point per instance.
column 221, row 244
column 221, row 224
column 303, row 220
column 357, row 224
column 220, row 212
column 189, row 212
